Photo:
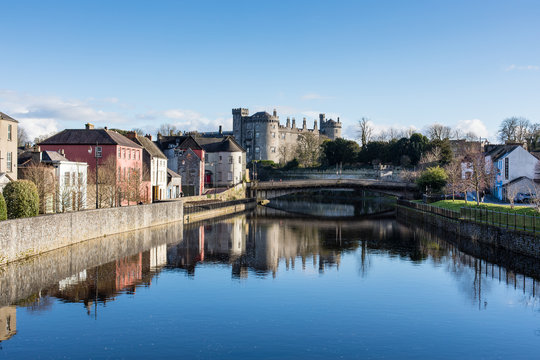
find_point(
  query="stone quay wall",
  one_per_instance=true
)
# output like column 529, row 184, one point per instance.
column 520, row 242
column 23, row 238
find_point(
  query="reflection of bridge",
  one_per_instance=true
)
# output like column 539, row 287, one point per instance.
column 273, row 189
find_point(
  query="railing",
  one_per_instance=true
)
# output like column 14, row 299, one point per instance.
column 191, row 209
column 503, row 219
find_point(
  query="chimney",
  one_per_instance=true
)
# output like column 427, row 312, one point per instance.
column 293, row 123
column 288, row 122
column 132, row 135
column 36, row 154
column 315, row 125
column 304, row 123
column 148, row 136
column 89, row 126
column 275, row 113
column 61, row 152
column 220, row 130
column 171, row 132
column 106, row 128
column 338, row 119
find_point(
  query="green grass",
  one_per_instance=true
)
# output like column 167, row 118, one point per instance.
column 458, row 204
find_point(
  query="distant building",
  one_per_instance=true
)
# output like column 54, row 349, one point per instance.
column 174, row 185
column 225, row 161
column 515, row 167
column 63, row 182
column 8, row 149
column 154, row 165
column 185, row 157
column 264, row 138
column 121, row 157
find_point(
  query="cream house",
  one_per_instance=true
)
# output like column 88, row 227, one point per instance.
column 8, row 147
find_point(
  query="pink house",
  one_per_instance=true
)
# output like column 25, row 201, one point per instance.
column 108, row 149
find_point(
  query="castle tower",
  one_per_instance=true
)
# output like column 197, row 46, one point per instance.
column 238, row 114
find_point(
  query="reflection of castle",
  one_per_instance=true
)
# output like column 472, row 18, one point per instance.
column 8, row 322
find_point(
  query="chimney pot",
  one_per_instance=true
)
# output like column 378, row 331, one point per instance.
column 89, row 126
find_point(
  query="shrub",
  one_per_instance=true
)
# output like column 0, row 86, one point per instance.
column 293, row 164
column 3, row 209
column 22, row 199
column 433, row 179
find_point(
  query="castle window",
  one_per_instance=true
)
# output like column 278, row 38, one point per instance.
column 257, row 134
column 240, row 159
column 273, row 134
column 256, row 126
column 273, row 149
column 248, row 149
column 284, row 135
column 257, row 149
column 230, row 159
column 249, row 134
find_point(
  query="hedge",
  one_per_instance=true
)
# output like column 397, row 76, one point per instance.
column 22, row 199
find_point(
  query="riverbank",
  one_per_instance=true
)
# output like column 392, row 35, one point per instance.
column 473, row 228
column 27, row 237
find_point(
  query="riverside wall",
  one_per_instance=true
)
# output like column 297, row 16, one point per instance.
column 520, row 242
column 23, row 238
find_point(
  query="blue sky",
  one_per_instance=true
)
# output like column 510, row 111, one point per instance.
column 142, row 63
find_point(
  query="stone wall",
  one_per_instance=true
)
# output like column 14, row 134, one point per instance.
column 520, row 242
column 22, row 238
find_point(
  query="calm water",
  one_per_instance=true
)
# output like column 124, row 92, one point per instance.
column 272, row 286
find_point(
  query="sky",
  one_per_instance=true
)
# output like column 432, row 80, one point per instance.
column 139, row 64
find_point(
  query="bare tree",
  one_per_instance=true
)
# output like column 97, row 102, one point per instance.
column 167, row 129
column 138, row 131
column 285, row 154
column 438, row 132
column 109, row 189
column 308, row 149
column 365, row 131
column 457, row 134
column 514, row 129
column 43, row 176
column 430, row 158
column 22, row 136
column 481, row 177
column 511, row 192
column 471, row 136
column 455, row 177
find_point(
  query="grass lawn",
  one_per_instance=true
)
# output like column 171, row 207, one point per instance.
column 458, row 204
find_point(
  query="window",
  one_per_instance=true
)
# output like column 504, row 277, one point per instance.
column 230, row 159
column 250, row 126
column 229, row 176
column 205, row 157
column 9, row 131
column 506, row 166
column 124, row 153
column 273, row 149
column 73, row 178
column 220, row 159
column 249, row 134
column 240, row 159
column 284, row 135
column 98, row 151
column 9, row 162
column 248, row 149
column 257, row 149
column 257, row 134
column 66, row 179
column 273, row 134
column 119, row 153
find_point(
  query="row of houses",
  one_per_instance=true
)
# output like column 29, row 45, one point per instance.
column 125, row 167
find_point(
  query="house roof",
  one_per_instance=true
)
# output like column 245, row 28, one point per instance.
column 46, row 156
column 499, row 151
column 516, row 180
column 149, row 145
column 7, row 117
column 172, row 173
column 178, row 141
column 227, row 144
column 89, row 137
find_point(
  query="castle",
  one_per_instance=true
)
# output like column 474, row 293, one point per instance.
column 264, row 138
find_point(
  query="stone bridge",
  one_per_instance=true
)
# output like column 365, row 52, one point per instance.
column 272, row 189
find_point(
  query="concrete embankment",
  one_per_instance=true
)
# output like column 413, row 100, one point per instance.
column 194, row 213
column 23, row 238
column 521, row 242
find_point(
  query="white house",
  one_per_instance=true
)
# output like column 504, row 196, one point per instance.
column 225, row 161
column 515, row 166
column 66, row 180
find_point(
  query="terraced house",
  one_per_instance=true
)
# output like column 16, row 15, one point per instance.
column 8, row 149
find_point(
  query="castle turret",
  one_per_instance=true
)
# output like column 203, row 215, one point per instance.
column 304, row 123
column 293, row 123
column 288, row 123
column 238, row 114
column 315, row 125
column 322, row 119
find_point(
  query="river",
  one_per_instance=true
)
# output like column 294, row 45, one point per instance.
column 274, row 284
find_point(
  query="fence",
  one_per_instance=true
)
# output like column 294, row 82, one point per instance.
column 504, row 219
column 192, row 209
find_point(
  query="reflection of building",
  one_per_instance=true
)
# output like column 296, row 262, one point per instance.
column 8, row 322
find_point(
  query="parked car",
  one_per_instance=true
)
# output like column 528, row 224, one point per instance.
column 524, row 197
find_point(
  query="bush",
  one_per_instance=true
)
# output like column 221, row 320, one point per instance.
column 293, row 164
column 433, row 179
column 22, row 199
column 3, row 209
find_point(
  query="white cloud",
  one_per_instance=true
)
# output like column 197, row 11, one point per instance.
column 185, row 120
column 475, row 125
column 35, row 127
column 522, row 67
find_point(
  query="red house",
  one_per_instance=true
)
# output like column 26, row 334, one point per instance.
column 119, row 160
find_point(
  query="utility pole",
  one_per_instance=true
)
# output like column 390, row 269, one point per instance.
column 97, row 174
